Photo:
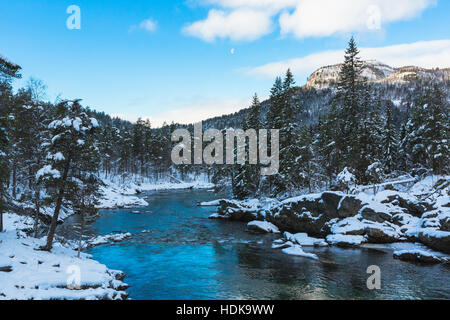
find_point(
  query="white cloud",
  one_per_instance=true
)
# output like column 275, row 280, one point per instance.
column 427, row 54
column 148, row 25
column 193, row 111
column 251, row 19
column 273, row 5
column 238, row 25
column 321, row 18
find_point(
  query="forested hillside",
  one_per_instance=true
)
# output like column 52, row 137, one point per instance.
column 56, row 153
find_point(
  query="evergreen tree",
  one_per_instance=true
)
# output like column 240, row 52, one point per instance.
column 414, row 142
column 389, row 141
column 350, row 92
column 85, row 184
column 436, row 131
column 247, row 180
column 8, row 71
column 69, row 148
column 306, row 161
column 282, row 115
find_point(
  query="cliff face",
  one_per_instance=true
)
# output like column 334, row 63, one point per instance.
column 377, row 72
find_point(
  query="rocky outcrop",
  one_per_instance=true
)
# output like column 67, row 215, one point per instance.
column 348, row 220
column 376, row 72
column 311, row 214
column 289, row 219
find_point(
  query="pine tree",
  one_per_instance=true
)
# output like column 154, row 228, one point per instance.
column 27, row 139
column 68, row 148
column 247, row 180
column 389, row 141
column 8, row 71
column 275, row 107
column 350, row 92
column 85, row 184
column 282, row 115
column 306, row 160
column 436, row 131
column 414, row 142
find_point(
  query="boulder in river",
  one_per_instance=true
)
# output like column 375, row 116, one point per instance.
column 238, row 212
column 262, row 227
column 417, row 256
column 382, row 234
column 435, row 239
column 345, row 241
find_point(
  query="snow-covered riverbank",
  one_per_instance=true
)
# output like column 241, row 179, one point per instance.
column 416, row 214
column 122, row 194
column 26, row 273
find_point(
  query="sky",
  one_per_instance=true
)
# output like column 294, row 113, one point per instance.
column 188, row 60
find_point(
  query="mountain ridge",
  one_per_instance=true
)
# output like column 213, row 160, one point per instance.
column 377, row 72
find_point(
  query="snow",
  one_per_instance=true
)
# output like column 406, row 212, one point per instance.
column 121, row 193
column 48, row 171
column 100, row 240
column 335, row 239
column 346, row 176
column 113, row 197
column 304, row 240
column 218, row 216
column 347, row 225
column 426, row 185
column 420, row 255
column 94, row 123
column 296, row 250
column 58, row 157
column 40, row 275
column 214, row 203
column 263, row 226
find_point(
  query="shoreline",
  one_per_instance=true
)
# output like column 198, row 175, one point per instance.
column 417, row 217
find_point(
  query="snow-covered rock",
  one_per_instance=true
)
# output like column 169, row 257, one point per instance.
column 417, row 256
column 262, row 227
column 296, row 250
column 341, row 240
column 304, row 240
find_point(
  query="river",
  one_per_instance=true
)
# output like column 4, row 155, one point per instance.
column 176, row 252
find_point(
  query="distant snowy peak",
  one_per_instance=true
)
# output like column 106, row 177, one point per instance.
column 375, row 71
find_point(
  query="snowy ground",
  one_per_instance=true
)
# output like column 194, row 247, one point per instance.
column 121, row 193
column 26, row 273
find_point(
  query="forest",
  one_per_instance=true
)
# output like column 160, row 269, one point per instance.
column 355, row 133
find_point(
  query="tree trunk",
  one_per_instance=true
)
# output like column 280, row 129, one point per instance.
column 54, row 223
column 1, row 220
column 14, row 181
column 81, row 232
column 36, row 219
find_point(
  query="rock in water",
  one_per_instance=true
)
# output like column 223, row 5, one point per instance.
column 417, row 256
column 262, row 227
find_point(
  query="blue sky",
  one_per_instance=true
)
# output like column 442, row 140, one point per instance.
column 187, row 60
